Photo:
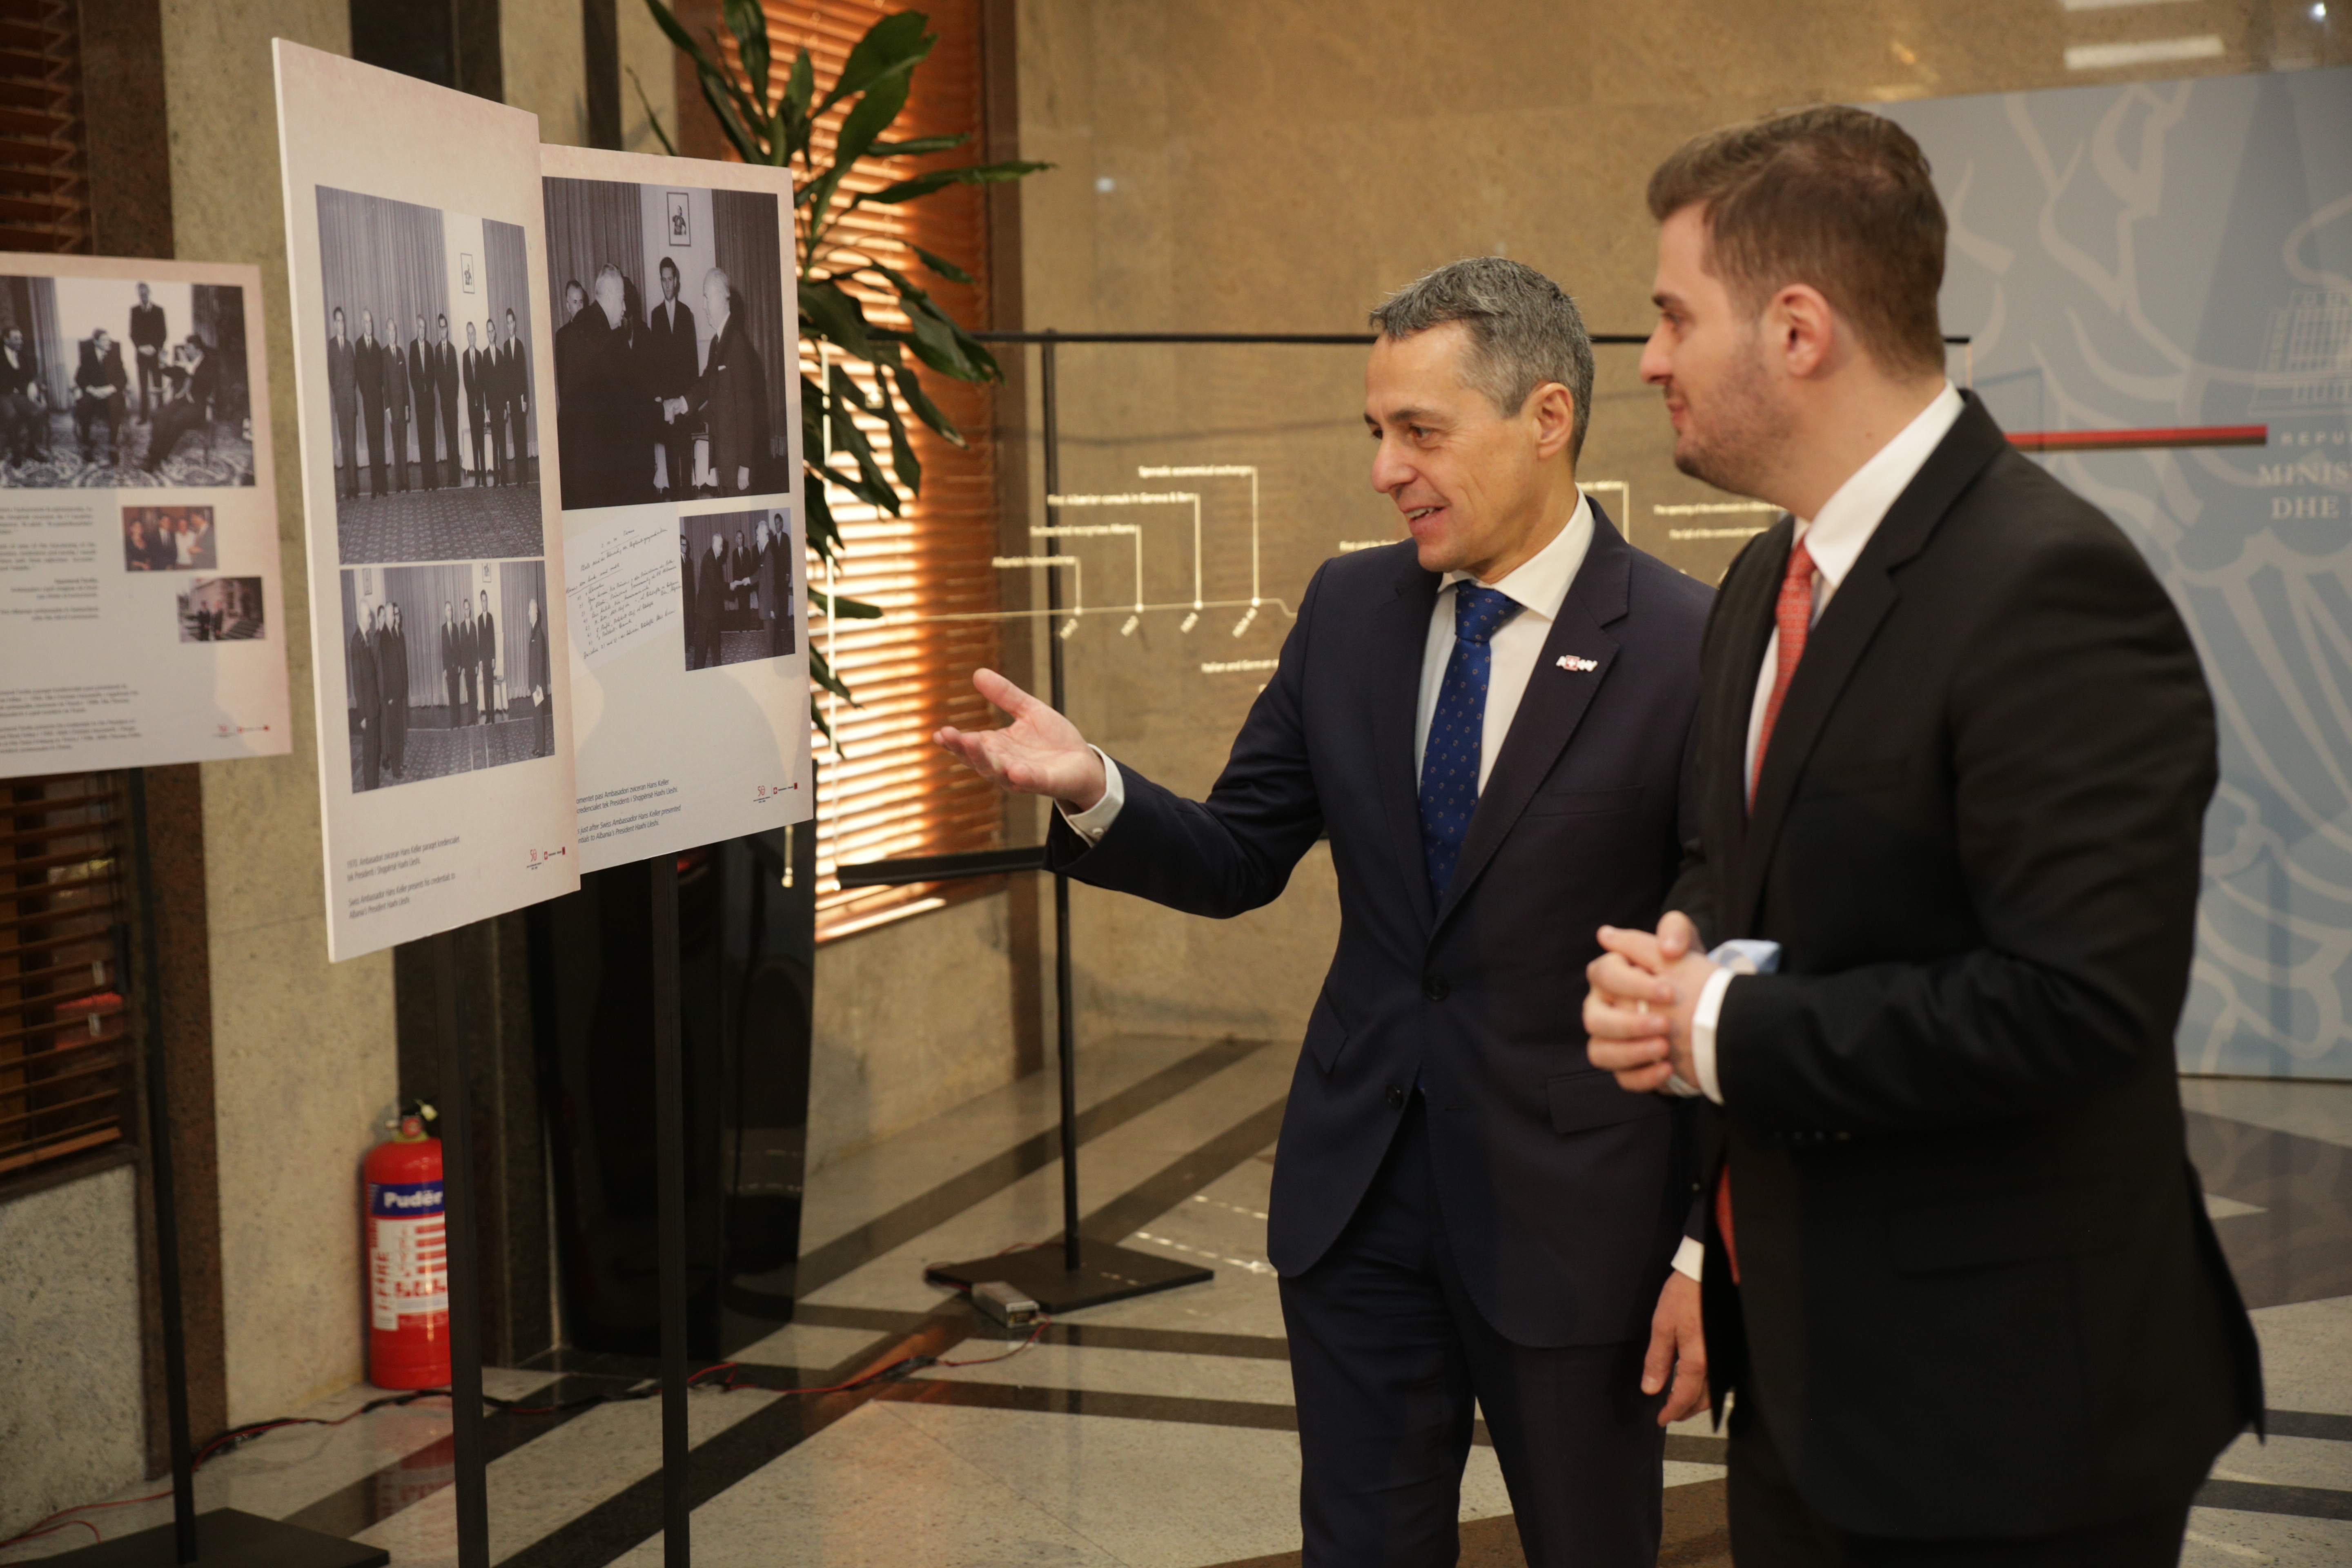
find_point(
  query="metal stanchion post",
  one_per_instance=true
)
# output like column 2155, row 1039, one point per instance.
column 669, row 1144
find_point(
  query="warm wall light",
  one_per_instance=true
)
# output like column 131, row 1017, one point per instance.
column 2147, row 52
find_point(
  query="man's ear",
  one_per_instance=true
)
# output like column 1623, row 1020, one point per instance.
column 1553, row 408
column 1803, row 331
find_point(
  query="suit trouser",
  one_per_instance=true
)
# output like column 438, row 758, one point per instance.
column 347, row 425
column 427, row 463
column 151, row 377
column 87, row 409
column 677, row 448
column 398, row 418
column 379, row 454
column 1387, row 1353
column 371, row 753
column 452, row 465
column 1772, row 1526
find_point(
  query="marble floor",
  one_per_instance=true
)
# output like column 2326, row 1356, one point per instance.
column 1159, row 1432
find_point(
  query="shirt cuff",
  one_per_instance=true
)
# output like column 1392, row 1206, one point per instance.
column 1689, row 1257
column 1703, row 1017
column 1095, row 821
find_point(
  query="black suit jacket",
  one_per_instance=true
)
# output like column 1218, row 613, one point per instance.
column 1564, row 1197
column 101, row 376
column 17, row 381
column 147, row 329
column 732, row 393
column 671, row 353
column 1977, row 1290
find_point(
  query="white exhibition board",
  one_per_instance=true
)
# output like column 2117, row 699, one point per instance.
column 678, row 399
column 441, row 668
column 140, row 616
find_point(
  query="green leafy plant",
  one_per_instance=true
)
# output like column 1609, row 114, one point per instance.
column 780, row 130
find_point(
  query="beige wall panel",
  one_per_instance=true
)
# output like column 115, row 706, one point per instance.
column 302, row 1050
column 543, row 52
column 647, row 52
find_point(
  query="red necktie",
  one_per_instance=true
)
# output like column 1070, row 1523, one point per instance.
column 1795, row 616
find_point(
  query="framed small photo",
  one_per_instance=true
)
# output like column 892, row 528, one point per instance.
column 465, row 272
column 681, row 220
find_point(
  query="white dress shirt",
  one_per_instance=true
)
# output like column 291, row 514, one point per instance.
column 1835, row 539
column 1538, row 586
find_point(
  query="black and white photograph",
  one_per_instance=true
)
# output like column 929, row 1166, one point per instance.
column 221, row 609
column 670, row 342
column 169, row 539
column 736, row 572
column 446, row 669
column 112, row 383
column 429, row 383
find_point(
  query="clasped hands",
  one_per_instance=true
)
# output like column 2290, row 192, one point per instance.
column 1644, row 988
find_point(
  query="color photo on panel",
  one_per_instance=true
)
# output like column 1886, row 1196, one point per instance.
column 221, row 609
column 737, row 575
column 110, row 382
column 671, row 351
column 169, row 539
column 429, row 381
column 446, row 668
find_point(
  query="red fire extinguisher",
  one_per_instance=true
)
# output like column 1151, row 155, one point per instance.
column 408, row 1261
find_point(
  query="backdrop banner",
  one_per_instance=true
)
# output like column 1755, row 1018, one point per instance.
column 421, row 350
column 2158, row 280
column 141, row 622
column 677, row 400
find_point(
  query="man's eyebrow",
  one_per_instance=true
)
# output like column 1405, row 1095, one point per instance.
column 1403, row 416
column 1664, row 298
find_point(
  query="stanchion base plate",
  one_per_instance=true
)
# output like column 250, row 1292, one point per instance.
column 228, row 1538
column 1105, row 1273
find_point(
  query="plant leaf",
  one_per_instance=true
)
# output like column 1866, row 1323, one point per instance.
column 652, row 119
column 748, row 20
column 941, row 179
column 824, row 533
column 905, row 461
column 941, row 266
column 918, row 146
column 893, row 46
column 847, row 437
column 876, row 492
column 868, row 119
column 830, row 313
column 800, row 86
column 910, row 387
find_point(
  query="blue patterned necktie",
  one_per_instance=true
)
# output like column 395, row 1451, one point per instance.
column 1449, row 764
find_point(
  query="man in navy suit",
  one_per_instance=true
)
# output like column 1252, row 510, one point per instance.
column 1490, row 719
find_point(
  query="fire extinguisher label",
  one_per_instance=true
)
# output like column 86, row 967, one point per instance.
column 409, row 1267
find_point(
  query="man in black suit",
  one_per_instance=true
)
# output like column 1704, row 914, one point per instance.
column 543, row 696
column 475, row 366
column 99, row 387
column 396, row 693
column 342, row 399
column 367, row 700
column 468, row 695
column 685, row 596
column 1954, row 749
column 148, row 335
column 445, row 392
column 672, row 363
column 486, row 660
column 450, row 662
column 367, row 361
column 395, row 403
column 600, row 401
column 709, row 599
column 1490, row 721
column 424, row 398
column 24, row 417
column 514, row 380
column 731, row 393
column 776, row 584
column 194, row 381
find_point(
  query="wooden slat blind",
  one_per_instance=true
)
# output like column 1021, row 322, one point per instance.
column 44, row 183
column 889, row 792
column 66, row 1074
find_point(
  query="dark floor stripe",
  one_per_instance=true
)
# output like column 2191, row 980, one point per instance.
column 634, row 1514
column 1094, row 1336
column 1174, row 1408
column 2257, row 1496
column 1155, row 1195
column 376, row 1497
column 853, row 1249
column 2307, row 1424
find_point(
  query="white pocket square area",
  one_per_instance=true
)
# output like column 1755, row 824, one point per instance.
column 1569, row 661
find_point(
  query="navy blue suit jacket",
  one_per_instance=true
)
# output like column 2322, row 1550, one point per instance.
column 1563, row 1196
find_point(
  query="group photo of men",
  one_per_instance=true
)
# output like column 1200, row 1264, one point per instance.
column 735, row 570
column 445, row 669
column 429, row 383
column 122, row 383
column 669, row 343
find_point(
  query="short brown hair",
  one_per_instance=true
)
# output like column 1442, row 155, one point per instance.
column 1832, row 196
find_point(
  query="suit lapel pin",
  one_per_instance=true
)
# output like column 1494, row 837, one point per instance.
column 1569, row 661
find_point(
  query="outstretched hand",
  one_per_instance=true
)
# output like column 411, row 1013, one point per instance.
column 1039, row 753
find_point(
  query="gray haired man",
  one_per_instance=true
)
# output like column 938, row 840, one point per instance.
column 1489, row 719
